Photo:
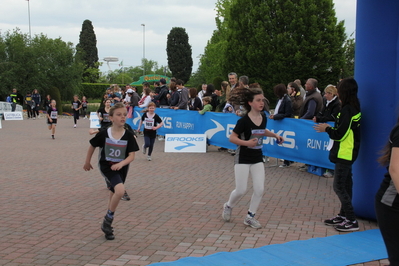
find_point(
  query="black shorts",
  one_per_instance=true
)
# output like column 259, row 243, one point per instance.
column 113, row 178
column 52, row 123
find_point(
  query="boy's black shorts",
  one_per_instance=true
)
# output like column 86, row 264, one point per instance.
column 113, row 178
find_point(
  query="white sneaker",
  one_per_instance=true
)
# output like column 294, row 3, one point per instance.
column 74, row 126
column 251, row 221
column 226, row 214
column 144, row 149
column 149, row 158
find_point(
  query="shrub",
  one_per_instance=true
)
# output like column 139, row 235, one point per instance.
column 55, row 95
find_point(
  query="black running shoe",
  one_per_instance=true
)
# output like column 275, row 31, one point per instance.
column 107, row 228
column 347, row 226
column 335, row 220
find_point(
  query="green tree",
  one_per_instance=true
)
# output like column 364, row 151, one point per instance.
column 349, row 67
column 179, row 54
column 278, row 41
column 38, row 63
column 87, row 52
column 213, row 61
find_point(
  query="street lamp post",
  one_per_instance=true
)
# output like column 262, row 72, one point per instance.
column 143, row 48
column 30, row 34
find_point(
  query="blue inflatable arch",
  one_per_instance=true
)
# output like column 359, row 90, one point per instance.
column 376, row 71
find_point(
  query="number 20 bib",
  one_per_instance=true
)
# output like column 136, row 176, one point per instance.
column 115, row 150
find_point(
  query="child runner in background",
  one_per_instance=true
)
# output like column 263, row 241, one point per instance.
column 52, row 114
column 84, row 107
column 248, row 135
column 152, row 122
column 117, row 151
column 76, row 105
column 206, row 102
column 103, row 116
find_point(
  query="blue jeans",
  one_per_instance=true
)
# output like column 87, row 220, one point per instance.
column 343, row 185
column 149, row 143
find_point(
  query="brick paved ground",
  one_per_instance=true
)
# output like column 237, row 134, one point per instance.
column 51, row 209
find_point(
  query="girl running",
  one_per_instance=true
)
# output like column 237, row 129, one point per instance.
column 76, row 106
column 117, row 151
column 248, row 135
column 152, row 122
column 103, row 116
column 52, row 114
column 84, row 107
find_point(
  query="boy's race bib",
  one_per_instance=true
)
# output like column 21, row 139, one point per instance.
column 149, row 123
column 258, row 134
column 115, row 150
column 75, row 105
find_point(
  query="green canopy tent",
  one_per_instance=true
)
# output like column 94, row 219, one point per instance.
column 150, row 78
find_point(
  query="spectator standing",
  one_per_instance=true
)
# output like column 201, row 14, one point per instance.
column 313, row 101
column 331, row 106
column 194, row 103
column 203, row 91
column 146, row 99
column 157, row 87
column 183, row 95
column 210, row 92
column 206, row 101
column 37, row 98
column 161, row 99
column 224, row 95
column 173, row 96
column 30, row 104
column 283, row 109
column 296, row 98
column 15, row 98
column 301, row 89
column 233, row 80
column 346, row 136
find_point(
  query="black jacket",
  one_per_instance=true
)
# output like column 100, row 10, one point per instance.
column 330, row 112
column 285, row 109
column 162, row 96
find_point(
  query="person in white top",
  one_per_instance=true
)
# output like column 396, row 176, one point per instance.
column 146, row 99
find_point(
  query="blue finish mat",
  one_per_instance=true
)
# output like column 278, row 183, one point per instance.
column 338, row 250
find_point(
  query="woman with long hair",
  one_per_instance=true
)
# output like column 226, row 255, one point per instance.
column 346, row 142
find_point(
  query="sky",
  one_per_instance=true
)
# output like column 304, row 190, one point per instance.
column 118, row 24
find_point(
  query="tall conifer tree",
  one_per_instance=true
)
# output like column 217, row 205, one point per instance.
column 179, row 53
column 87, row 51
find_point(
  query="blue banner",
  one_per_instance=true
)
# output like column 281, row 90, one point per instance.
column 301, row 142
